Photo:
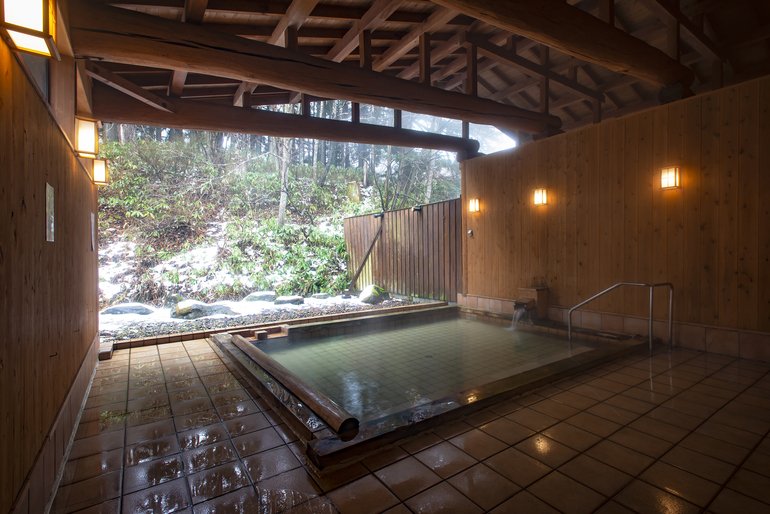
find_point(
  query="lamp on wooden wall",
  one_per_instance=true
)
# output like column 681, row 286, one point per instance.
column 473, row 205
column 669, row 177
column 100, row 172
column 540, row 197
column 86, row 137
column 30, row 26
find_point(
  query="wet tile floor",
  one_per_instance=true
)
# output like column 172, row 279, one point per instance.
column 171, row 429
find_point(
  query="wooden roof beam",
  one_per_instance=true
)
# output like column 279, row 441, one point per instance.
column 694, row 36
column 112, row 106
column 373, row 18
column 194, row 11
column 123, row 36
column 96, row 72
column 460, row 62
column 578, row 33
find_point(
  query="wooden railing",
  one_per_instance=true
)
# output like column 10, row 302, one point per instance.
column 418, row 253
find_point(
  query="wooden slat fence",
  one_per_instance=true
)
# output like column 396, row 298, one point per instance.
column 419, row 253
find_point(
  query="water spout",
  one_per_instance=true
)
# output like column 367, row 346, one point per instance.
column 518, row 313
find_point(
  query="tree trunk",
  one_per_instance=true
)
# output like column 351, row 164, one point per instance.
column 284, row 176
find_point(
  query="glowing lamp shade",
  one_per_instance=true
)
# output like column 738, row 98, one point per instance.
column 669, row 177
column 87, row 138
column 100, row 172
column 473, row 205
column 30, row 26
column 540, row 197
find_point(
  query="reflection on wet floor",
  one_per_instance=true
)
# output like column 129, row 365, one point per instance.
column 374, row 374
column 680, row 432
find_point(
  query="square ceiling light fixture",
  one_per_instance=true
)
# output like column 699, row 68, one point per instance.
column 30, row 26
column 86, row 137
column 669, row 177
column 473, row 205
column 540, row 197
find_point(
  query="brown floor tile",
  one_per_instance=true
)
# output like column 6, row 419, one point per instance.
column 191, row 406
column 297, row 482
column 202, row 436
column 286, row 433
column 76, row 470
column 229, row 397
column 213, row 482
column 572, row 497
column 659, row 429
column 554, row 409
column 593, row 424
column 646, row 395
column 631, row 404
column 145, row 392
column 574, row 400
column 731, row 416
column 608, row 385
column 715, row 448
column 86, row 493
column 641, row 442
column 152, row 473
column 478, row 444
column 209, row 456
column 445, row 459
column 216, row 378
column 144, row 417
column 176, row 376
column 167, row 497
column 236, row 410
column 246, row 424
column 644, row 498
column 337, row 478
column 684, row 402
column 231, row 385
column 507, row 431
column 105, row 412
column 699, row 464
column 524, row 502
column 407, row 477
column 595, row 394
column 242, row 500
column 503, row 409
column 108, row 507
column 106, row 399
column 751, row 484
column 483, row 486
column 481, row 418
column 620, row 457
column 151, row 450
column 100, row 443
column 729, row 434
column 145, row 382
column 420, row 443
column 758, row 463
column 730, row 502
column 270, row 463
column 681, row 483
column 675, row 418
column 518, row 467
column 598, row 476
column 255, row 442
column 611, row 413
column 185, row 395
column 546, row 450
column 366, row 495
column 183, row 384
column 98, row 427
column 195, row 420
column 384, row 458
column 399, row 509
column 442, row 498
column 571, row 436
column 532, row 419
column 149, row 431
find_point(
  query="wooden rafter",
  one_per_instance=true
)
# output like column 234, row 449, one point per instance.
column 112, row 106
column 119, row 35
column 575, row 32
column 194, row 11
column 373, row 18
column 104, row 76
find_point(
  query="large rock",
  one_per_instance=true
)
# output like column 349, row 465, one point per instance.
column 373, row 295
column 128, row 308
column 261, row 296
column 192, row 309
column 286, row 300
column 321, row 296
column 173, row 299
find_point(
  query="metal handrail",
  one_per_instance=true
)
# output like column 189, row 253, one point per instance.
column 651, row 286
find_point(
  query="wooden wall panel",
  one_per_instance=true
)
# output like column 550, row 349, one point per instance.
column 607, row 219
column 48, row 290
column 418, row 253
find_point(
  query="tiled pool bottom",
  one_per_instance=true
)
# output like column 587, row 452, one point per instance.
column 374, row 374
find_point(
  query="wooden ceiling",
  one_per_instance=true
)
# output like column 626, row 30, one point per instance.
column 530, row 67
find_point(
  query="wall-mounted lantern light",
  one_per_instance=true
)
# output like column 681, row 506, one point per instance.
column 473, row 205
column 30, row 26
column 100, row 172
column 540, row 197
column 86, row 137
column 669, row 177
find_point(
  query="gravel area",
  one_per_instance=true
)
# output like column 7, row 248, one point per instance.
column 142, row 328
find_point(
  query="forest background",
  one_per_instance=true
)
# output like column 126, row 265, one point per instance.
column 215, row 216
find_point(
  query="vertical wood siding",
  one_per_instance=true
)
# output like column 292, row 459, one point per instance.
column 417, row 254
column 607, row 219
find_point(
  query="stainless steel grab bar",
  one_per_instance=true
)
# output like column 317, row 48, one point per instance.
column 652, row 287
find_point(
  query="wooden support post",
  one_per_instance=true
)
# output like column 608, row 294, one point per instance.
column 246, row 100
column 607, row 11
column 355, row 112
column 425, row 58
column 544, row 81
column 673, row 39
column 306, row 106
column 365, row 49
column 597, row 111
column 466, row 130
column 397, row 118
column 472, row 78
